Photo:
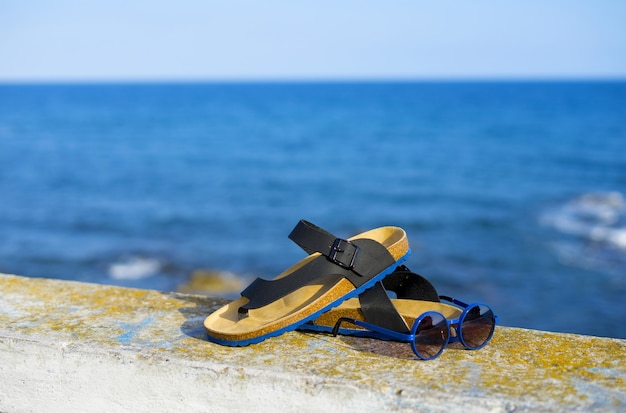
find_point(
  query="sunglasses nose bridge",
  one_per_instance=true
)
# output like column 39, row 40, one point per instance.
column 454, row 330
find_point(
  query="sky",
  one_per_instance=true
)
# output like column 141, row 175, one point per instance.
column 190, row 40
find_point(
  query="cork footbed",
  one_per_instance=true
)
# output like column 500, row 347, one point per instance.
column 286, row 313
column 408, row 309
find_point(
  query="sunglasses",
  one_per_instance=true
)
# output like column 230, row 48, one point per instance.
column 431, row 331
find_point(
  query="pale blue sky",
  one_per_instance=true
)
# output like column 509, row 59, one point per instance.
column 64, row 40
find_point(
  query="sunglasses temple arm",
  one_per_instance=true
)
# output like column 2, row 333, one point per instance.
column 372, row 327
column 454, row 301
column 342, row 320
column 362, row 324
column 462, row 304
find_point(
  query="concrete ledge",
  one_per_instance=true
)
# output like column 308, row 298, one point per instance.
column 75, row 347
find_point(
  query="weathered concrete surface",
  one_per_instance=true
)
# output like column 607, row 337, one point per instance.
column 75, row 347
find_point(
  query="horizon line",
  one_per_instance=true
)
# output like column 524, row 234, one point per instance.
column 302, row 80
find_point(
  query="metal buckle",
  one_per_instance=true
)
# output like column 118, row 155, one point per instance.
column 339, row 247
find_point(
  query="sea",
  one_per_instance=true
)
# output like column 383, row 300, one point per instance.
column 512, row 193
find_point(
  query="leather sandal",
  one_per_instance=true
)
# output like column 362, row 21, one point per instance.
column 336, row 269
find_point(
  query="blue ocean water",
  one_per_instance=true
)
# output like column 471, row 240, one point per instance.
column 511, row 193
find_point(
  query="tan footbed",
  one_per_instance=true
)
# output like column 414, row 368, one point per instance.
column 224, row 324
column 408, row 309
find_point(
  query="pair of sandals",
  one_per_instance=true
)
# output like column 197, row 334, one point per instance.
column 350, row 281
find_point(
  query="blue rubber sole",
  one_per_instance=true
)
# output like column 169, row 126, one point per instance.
column 294, row 326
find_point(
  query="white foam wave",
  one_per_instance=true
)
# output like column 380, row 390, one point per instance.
column 596, row 217
column 134, row 268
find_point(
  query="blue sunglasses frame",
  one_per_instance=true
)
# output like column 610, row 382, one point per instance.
column 455, row 324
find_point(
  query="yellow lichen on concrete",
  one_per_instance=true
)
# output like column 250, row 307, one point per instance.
column 518, row 365
column 550, row 365
column 518, row 368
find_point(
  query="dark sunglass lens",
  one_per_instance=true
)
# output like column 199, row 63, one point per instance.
column 431, row 336
column 477, row 326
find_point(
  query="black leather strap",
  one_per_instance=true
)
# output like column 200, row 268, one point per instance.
column 311, row 238
column 378, row 308
column 358, row 261
column 407, row 284
column 344, row 253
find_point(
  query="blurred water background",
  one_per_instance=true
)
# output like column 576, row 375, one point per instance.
column 512, row 193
